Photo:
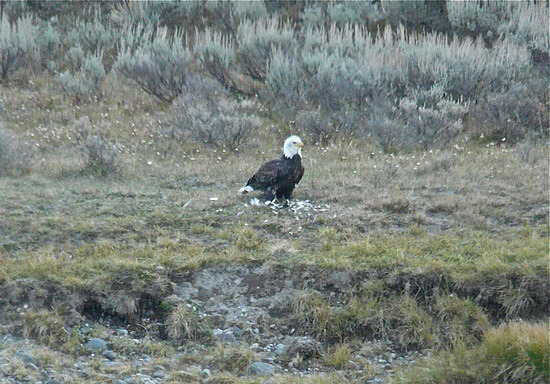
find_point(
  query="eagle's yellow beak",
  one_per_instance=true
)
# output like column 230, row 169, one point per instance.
column 300, row 144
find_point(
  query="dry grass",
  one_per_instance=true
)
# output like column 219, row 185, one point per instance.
column 514, row 353
column 48, row 327
column 470, row 220
column 16, row 156
column 338, row 356
column 235, row 359
column 183, row 325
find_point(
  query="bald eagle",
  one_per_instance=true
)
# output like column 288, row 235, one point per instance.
column 278, row 178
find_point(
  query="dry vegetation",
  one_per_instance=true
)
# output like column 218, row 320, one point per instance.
column 469, row 220
column 106, row 203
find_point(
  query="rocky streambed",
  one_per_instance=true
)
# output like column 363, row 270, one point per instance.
column 231, row 323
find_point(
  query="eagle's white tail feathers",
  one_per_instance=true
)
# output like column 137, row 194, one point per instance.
column 245, row 189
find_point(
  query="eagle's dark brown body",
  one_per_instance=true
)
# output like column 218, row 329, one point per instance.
column 278, row 177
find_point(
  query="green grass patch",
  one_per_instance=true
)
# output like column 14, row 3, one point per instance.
column 514, row 353
column 510, row 274
column 467, row 254
column 338, row 356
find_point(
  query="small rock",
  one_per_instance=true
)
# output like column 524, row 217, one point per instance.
column 225, row 337
column 109, row 355
column 280, row 349
column 158, row 374
column 112, row 365
column 44, row 374
column 32, row 367
column 262, row 369
column 236, row 331
column 97, row 344
column 339, row 280
column 26, row 358
column 206, row 373
column 83, row 373
column 144, row 379
column 183, row 377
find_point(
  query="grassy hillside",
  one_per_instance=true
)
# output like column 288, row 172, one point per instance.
column 440, row 246
column 417, row 239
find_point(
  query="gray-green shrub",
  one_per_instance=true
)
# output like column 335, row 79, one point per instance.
column 206, row 113
column 16, row 156
column 524, row 22
column 216, row 52
column 18, row 45
column 432, row 118
column 513, row 114
column 84, row 83
column 285, row 86
column 363, row 13
column 341, row 71
column 139, row 12
column 101, row 155
column 249, row 10
column 94, row 34
column 257, row 39
column 527, row 23
column 49, row 42
column 159, row 66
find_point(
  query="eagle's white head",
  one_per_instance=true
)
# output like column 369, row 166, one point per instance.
column 293, row 145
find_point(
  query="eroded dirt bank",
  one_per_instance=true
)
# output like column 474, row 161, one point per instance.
column 243, row 321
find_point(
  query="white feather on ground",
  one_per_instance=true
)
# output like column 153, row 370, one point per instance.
column 301, row 210
column 294, row 205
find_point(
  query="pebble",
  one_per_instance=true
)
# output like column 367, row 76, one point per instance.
column 144, row 379
column 109, row 355
column 26, row 358
column 225, row 337
column 262, row 369
column 97, row 344
column 32, row 367
column 280, row 349
column 236, row 331
column 158, row 374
